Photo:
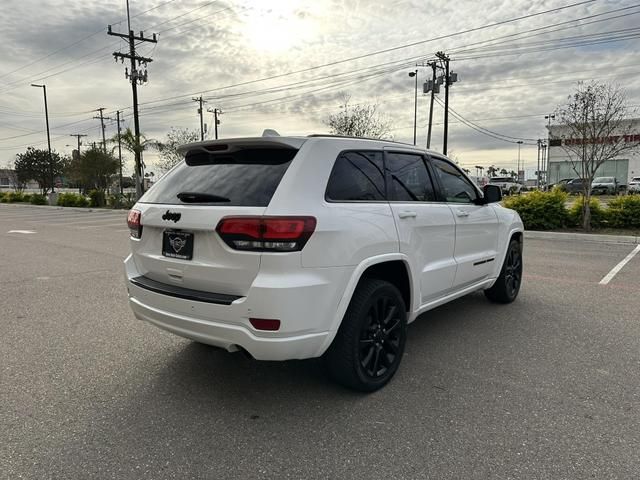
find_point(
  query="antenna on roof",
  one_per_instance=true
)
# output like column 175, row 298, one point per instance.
column 268, row 132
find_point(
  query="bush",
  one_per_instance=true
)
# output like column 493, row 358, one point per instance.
column 541, row 210
column 26, row 197
column 96, row 198
column 13, row 197
column 3, row 197
column 72, row 200
column 624, row 212
column 37, row 199
column 599, row 215
column 126, row 200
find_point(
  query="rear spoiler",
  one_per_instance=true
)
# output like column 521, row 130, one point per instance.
column 234, row 144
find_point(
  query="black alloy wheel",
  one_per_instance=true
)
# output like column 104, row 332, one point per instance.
column 369, row 345
column 513, row 271
column 381, row 337
column 507, row 285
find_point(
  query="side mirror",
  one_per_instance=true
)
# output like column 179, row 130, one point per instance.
column 492, row 194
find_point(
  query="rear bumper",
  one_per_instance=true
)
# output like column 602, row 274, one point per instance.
column 306, row 309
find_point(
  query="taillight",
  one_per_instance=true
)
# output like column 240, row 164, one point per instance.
column 266, row 234
column 135, row 223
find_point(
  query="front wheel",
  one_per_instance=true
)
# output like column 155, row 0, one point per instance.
column 370, row 343
column 507, row 285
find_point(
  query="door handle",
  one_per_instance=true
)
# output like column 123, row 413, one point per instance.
column 407, row 214
column 462, row 213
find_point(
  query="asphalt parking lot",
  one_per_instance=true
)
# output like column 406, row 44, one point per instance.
column 547, row 387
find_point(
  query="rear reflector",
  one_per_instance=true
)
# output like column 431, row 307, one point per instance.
column 134, row 221
column 265, row 324
column 273, row 234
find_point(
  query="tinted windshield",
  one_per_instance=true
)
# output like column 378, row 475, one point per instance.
column 501, row 179
column 244, row 178
column 603, row 180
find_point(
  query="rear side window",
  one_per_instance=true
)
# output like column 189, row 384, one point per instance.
column 410, row 179
column 247, row 177
column 357, row 176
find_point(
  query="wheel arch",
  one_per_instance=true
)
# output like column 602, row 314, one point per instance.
column 396, row 265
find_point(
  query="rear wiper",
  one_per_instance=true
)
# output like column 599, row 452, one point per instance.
column 197, row 197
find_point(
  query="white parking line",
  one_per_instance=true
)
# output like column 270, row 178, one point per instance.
column 607, row 278
column 119, row 224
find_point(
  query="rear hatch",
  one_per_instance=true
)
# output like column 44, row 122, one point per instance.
column 178, row 244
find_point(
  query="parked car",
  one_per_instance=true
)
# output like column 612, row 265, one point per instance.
column 560, row 184
column 606, row 186
column 634, row 185
column 507, row 184
column 574, row 186
column 300, row 247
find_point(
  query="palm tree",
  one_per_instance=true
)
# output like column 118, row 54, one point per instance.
column 128, row 141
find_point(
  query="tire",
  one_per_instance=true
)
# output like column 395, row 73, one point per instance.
column 369, row 345
column 507, row 286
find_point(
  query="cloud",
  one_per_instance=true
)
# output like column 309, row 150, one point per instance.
column 211, row 48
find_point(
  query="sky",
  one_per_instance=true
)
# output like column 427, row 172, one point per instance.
column 287, row 65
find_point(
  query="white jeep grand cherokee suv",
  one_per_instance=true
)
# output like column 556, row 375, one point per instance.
column 291, row 248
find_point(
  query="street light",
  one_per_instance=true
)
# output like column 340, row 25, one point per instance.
column 46, row 116
column 519, row 144
column 415, row 107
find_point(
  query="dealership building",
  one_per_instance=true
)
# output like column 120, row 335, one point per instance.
column 624, row 167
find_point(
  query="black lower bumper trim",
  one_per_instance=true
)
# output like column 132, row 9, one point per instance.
column 184, row 293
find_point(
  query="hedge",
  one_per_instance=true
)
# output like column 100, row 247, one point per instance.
column 624, row 212
column 541, row 210
column 72, row 200
column 548, row 211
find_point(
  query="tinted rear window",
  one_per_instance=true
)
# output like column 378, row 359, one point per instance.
column 357, row 176
column 247, row 178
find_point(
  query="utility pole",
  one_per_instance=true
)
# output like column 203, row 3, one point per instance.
column 216, row 120
column 46, row 116
column 434, row 88
column 136, row 76
column 201, row 113
column 449, row 79
column 78, row 136
column 545, row 165
column 119, row 148
column 102, row 118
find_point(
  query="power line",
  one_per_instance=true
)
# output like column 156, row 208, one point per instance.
column 66, row 47
column 378, row 52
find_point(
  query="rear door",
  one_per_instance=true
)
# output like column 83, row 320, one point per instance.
column 426, row 227
column 181, row 211
column 476, row 225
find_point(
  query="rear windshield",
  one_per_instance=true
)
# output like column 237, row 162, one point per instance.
column 501, row 179
column 244, row 178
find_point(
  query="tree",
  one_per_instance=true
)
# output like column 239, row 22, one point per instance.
column 93, row 169
column 34, row 164
column 504, row 171
column 594, row 128
column 129, row 143
column 359, row 121
column 491, row 171
column 168, row 149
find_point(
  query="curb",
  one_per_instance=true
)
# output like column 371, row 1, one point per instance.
column 583, row 237
column 73, row 209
